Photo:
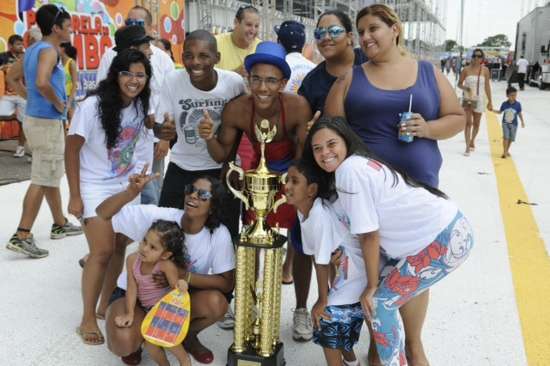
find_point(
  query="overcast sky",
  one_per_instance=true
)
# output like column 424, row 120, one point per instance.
column 485, row 18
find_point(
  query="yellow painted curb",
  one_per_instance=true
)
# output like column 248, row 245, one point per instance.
column 529, row 260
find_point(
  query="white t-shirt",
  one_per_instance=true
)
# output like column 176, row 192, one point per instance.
column 522, row 65
column 186, row 103
column 209, row 253
column 299, row 67
column 161, row 65
column 407, row 218
column 322, row 234
column 99, row 165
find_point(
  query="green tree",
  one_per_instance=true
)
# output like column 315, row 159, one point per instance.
column 498, row 40
column 450, row 44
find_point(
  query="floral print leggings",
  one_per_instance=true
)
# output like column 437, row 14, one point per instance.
column 411, row 276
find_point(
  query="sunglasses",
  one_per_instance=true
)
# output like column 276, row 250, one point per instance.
column 477, row 56
column 138, row 75
column 203, row 194
column 60, row 10
column 334, row 31
column 139, row 22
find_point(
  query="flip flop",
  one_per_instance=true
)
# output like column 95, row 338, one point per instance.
column 287, row 282
column 100, row 316
column 92, row 338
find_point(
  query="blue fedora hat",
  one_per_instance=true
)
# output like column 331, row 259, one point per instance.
column 268, row 53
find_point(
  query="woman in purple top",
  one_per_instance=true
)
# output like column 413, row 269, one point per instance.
column 372, row 96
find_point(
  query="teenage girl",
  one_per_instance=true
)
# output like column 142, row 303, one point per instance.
column 393, row 216
column 161, row 250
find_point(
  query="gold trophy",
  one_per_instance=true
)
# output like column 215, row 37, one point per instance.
column 258, row 298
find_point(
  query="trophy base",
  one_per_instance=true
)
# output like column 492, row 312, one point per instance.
column 251, row 358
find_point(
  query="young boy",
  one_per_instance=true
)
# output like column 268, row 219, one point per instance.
column 511, row 109
column 341, row 274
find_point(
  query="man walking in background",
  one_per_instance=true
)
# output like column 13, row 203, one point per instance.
column 46, row 102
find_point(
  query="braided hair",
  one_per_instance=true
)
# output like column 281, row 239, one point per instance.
column 173, row 240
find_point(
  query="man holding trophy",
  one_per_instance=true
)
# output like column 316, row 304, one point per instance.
column 275, row 122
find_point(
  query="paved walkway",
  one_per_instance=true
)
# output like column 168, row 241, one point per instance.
column 473, row 317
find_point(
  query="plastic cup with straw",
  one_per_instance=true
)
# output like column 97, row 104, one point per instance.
column 402, row 135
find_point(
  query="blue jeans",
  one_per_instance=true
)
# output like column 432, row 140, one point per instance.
column 411, row 276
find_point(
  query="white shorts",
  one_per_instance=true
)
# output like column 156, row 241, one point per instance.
column 94, row 194
column 13, row 104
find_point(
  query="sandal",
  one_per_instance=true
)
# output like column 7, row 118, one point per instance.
column 92, row 338
column 100, row 316
column 287, row 282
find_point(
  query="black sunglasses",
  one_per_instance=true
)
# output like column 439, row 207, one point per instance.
column 203, row 194
column 477, row 56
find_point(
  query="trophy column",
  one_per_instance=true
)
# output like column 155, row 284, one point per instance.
column 258, row 301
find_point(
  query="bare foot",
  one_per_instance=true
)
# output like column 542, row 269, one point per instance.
column 503, row 156
column 416, row 357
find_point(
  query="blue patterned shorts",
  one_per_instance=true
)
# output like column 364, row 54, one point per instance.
column 342, row 330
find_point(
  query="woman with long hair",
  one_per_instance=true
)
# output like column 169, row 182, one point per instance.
column 373, row 95
column 106, row 130
column 211, row 260
column 475, row 81
column 334, row 39
column 420, row 233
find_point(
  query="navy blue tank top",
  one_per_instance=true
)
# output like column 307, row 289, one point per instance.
column 373, row 114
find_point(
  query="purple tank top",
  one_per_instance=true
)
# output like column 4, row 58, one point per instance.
column 373, row 114
column 148, row 291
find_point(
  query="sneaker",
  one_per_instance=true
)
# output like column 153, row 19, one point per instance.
column 302, row 329
column 19, row 152
column 26, row 246
column 59, row 232
column 228, row 321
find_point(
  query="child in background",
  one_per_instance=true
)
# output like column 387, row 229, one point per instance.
column 337, row 316
column 511, row 109
column 68, row 57
column 161, row 250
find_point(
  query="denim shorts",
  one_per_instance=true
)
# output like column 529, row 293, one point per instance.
column 509, row 131
column 342, row 330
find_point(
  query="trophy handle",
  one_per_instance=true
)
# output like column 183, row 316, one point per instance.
column 236, row 193
column 280, row 201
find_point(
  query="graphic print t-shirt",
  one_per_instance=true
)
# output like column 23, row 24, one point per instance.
column 510, row 112
column 97, row 163
column 187, row 104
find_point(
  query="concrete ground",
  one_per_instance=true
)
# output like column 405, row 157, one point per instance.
column 12, row 169
column 474, row 317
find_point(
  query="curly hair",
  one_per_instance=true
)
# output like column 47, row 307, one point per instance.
column 215, row 215
column 108, row 91
column 173, row 240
